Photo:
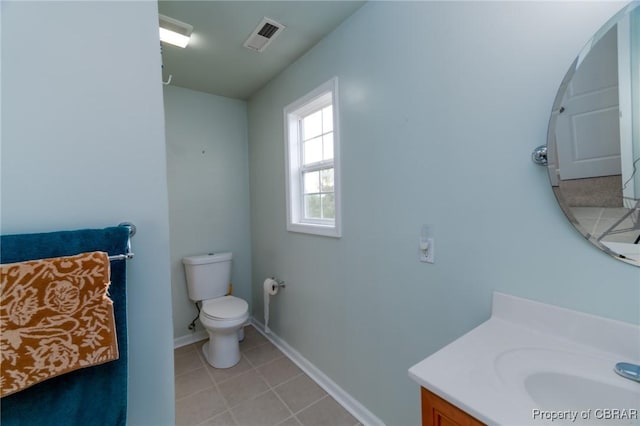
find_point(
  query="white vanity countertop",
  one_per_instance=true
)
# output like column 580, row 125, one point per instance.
column 484, row 372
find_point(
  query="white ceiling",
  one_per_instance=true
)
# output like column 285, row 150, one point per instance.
column 215, row 61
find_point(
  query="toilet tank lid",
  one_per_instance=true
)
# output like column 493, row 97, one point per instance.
column 206, row 258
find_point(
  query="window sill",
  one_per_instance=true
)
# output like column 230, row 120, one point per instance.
column 313, row 229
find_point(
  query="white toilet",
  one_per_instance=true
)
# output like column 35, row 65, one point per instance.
column 208, row 278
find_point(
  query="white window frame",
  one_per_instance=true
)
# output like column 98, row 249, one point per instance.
column 293, row 113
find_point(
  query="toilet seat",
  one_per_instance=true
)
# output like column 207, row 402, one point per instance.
column 224, row 308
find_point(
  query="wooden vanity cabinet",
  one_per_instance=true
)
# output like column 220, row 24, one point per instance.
column 438, row 412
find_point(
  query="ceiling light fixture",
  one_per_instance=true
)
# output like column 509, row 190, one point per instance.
column 174, row 32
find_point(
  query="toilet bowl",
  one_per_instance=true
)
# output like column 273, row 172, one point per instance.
column 223, row 318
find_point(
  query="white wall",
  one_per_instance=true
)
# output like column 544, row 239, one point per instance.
column 441, row 105
column 83, row 147
column 208, row 179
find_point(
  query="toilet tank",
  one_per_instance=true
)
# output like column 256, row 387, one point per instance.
column 208, row 276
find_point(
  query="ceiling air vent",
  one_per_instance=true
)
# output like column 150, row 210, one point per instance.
column 266, row 31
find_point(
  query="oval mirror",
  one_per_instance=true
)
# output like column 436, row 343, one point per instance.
column 593, row 143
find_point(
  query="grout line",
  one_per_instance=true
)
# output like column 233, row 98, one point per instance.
column 283, row 403
column 339, row 395
column 273, row 388
column 266, row 342
column 242, row 357
column 194, row 392
column 183, row 353
column 313, row 403
column 204, row 422
column 255, row 366
column 254, row 347
column 251, row 398
column 226, row 403
column 270, row 388
column 288, row 418
column 253, row 370
column 185, row 373
column 189, row 371
column 245, row 373
column 290, row 379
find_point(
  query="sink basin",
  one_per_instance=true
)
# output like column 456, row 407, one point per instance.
column 561, row 392
column 538, row 364
column 560, row 381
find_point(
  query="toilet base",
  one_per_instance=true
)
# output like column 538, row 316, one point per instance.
column 223, row 350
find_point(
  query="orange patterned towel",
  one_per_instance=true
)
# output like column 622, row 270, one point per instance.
column 55, row 317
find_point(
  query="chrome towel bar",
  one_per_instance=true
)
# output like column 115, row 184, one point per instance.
column 129, row 254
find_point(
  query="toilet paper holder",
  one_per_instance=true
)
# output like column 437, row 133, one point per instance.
column 279, row 283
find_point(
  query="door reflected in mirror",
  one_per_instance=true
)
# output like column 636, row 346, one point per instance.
column 594, row 139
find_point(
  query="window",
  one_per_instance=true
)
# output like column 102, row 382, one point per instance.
column 313, row 167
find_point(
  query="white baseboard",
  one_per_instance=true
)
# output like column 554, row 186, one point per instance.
column 189, row 338
column 356, row 409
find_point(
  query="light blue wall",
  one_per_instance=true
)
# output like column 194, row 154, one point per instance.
column 441, row 105
column 83, row 146
column 208, row 178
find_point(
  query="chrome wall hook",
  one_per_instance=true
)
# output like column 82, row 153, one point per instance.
column 539, row 155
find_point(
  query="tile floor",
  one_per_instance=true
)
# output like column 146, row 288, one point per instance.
column 264, row 388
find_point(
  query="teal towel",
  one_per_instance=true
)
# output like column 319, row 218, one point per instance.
column 90, row 396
